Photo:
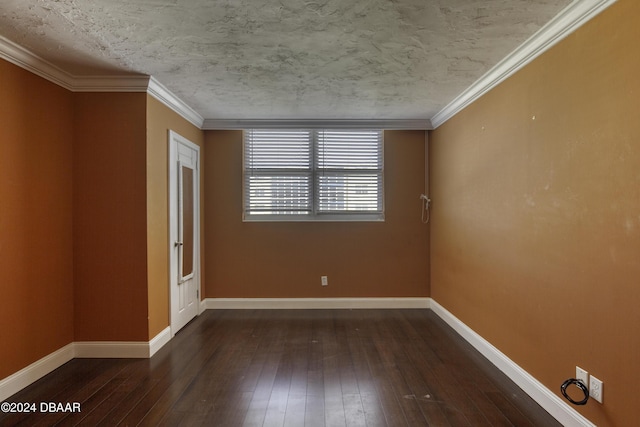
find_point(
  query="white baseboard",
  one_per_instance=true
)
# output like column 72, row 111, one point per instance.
column 38, row 369
column 111, row 349
column 95, row 349
column 159, row 341
column 122, row 349
column 314, row 303
column 551, row 403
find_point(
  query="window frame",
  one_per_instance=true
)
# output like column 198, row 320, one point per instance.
column 314, row 214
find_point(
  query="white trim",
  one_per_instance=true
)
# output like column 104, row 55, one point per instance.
column 386, row 124
column 122, row 349
column 337, row 217
column 563, row 24
column 31, row 62
column 175, row 140
column 140, row 349
column 38, row 369
column 314, row 303
column 566, row 22
column 112, row 349
column 159, row 341
column 93, row 349
column 133, row 83
column 538, row 392
column 141, row 83
column 164, row 95
column 549, row 401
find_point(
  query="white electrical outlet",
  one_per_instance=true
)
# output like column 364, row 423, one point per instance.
column 583, row 376
column 324, row 280
column 596, row 389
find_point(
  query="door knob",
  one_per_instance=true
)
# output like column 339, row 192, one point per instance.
column 178, row 244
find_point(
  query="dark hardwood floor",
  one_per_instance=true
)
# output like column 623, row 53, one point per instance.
column 291, row 368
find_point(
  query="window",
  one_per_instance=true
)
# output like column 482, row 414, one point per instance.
column 318, row 175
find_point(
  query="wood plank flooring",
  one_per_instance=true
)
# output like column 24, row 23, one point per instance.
column 291, row 368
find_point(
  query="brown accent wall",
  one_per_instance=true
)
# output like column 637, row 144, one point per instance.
column 36, row 248
column 161, row 119
column 536, row 213
column 109, row 217
column 274, row 260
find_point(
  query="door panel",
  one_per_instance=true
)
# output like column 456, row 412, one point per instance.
column 184, row 230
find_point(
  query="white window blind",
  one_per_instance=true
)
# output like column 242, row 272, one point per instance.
column 313, row 175
column 278, row 178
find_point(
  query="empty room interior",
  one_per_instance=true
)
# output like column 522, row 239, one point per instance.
column 497, row 222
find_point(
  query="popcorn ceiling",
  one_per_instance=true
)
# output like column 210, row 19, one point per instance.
column 287, row 59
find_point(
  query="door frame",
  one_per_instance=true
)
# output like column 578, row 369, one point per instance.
column 174, row 140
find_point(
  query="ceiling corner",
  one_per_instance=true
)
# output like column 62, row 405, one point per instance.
column 29, row 61
column 164, row 95
column 563, row 24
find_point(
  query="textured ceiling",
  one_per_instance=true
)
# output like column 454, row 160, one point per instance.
column 284, row 59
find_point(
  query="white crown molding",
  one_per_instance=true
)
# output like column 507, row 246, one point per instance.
column 31, row 62
column 132, row 83
column 164, row 95
column 563, row 24
column 388, row 124
column 567, row 21
column 549, row 401
column 314, row 303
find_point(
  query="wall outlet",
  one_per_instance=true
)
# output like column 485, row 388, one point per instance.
column 583, row 376
column 324, row 280
column 596, row 389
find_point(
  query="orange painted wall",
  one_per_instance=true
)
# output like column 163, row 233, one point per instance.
column 36, row 248
column 109, row 217
column 536, row 213
column 273, row 260
column 161, row 119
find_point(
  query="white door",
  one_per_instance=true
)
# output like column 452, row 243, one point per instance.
column 184, row 230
